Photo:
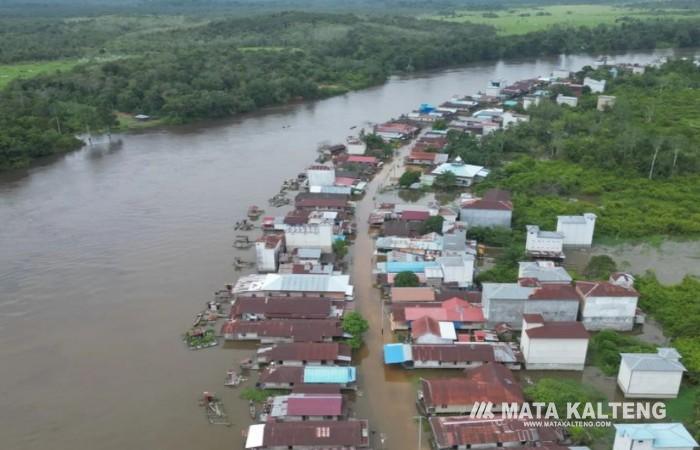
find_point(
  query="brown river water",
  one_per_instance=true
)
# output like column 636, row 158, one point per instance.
column 106, row 254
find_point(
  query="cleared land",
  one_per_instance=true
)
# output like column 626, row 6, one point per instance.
column 11, row 72
column 526, row 20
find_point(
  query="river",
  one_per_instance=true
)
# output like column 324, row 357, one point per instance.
column 106, row 254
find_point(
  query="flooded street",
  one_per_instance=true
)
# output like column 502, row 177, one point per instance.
column 107, row 254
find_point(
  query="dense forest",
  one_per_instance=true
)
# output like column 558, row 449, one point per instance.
column 182, row 69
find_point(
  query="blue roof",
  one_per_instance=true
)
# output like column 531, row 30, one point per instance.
column 329, row 374
column 408, row 266
column 663, row 435
column 394, row 353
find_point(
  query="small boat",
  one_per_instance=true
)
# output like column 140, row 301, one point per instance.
column 214, row 409
column 254, row 212
column 233, row 379
column 249, row 364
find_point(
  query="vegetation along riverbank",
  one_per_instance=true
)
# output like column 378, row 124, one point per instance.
column 181, row 69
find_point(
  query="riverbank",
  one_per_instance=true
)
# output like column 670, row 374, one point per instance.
column 113, row 249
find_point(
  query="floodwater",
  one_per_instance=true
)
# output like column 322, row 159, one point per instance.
column 107, row 253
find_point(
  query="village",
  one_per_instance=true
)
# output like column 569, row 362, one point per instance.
column 300, row 305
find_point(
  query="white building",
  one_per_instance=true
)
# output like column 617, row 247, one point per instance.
column 567, row 100
column 651, row 375
column 577, row 230
column 596, row 86
column 653, row 436
column 605, row 305
column 310, row 236
column 605, row 102
column 544, row 243
column 543, row 271
column 332, row 286
column 355, row 146
column 465, row 174
column 320, row 175
column 267, row 250
column 510, row 118
column 553, row 345
column 457, row 269
column 531, row 100
column 427, row 330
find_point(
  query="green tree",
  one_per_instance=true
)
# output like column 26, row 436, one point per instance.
column 432, row 224
column 340, row 248
column 355, row 325
column 409, row 177
column 406, row 279
column 445, row 181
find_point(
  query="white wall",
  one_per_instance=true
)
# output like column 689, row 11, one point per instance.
column 578, row 234
column 266, row 258
column 597, row 86
column 310, row 236
column 323, row 177
column 554, row 354
column 565, row 100
column 539, row 244
column 356, row 147
column 643, row 384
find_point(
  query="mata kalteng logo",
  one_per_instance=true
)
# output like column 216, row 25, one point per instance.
column 574, row 411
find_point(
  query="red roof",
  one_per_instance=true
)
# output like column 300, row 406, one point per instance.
column 462, row 431
column 323, row 351
column 555, row 291
column 295, row 307
column 315, row 405
column 319, row 167
column 425, row 325
column 481, row 203
column 394, row 127
column 453, row 310
column 300, row 330
column 604, row 289
column 271, row 240
column 422, row 156
column 362, row 159
column 344, row 181
column 558, row 330
column 282, row 374
column 453, row 353
column 412, row 294
column 414, row 215
column 533, row 318
column 317, row 434
column 491, row 382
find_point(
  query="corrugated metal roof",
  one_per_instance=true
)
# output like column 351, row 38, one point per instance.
column 664, row 435
column 329, row 374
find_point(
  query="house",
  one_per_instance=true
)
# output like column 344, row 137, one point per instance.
column 430, row 244
column 653, row 436
column 396, row 131
column 462, row 355
column 543, row 271
column 491, row 382
column 462, row 314
column 310, row 236
column 596, row 86
column 567, row 100
column 510, row 118
column 544, row 244
column 412, row 294
column 494, row 209
column 605, row 305
column 310, row 201
column 464, row 432
column 325, row 434
column 267, row 251
column 363, row 160
column 577, row 230
column 300, row 407
column 605, row 102
column 355, row 146
column 291, row 377
column 651, row 375
column 465, row 174
column 283, row 330
column 303, row 354
column 285, row 307
column 508, row 302
column 531, row 100
column 336, row 287
column 553, row 345
column 426, row 330
column 320, row 175
column 422, row 158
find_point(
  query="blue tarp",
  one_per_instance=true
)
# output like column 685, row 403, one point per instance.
column 408, row 266
column 329, row 374
column 426, row 108
column 394, row 353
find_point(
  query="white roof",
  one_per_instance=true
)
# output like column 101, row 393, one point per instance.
column 460, row 169
column 665, row 360
column 256, row 434
column 447, row 330
column 293, row 283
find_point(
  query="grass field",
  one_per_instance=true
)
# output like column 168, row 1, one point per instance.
column 526, row 20
column 27, row 70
